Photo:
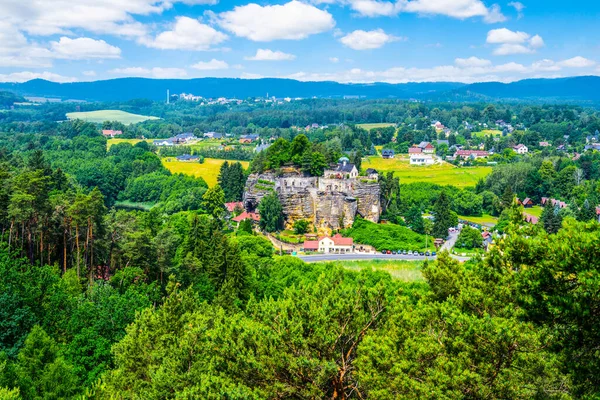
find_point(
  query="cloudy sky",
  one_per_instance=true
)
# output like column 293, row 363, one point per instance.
column 341, row 40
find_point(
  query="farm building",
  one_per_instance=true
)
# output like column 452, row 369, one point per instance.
column 187, row 158
column 249, row 138
column 527, row 202
column 421, row 159
column 387, row 153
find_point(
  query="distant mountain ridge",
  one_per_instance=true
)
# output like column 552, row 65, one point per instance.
column 584, row 89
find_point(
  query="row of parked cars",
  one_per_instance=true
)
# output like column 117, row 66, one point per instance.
column 408, row 253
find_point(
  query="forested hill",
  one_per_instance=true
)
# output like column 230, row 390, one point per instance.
column 155, row 89
column 585, row 89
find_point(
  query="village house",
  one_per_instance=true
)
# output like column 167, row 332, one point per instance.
column 110, row 133
column 553, row 202
column 248, row 138
column 592, row 146
column 544, row 144
column 235, row 205
column 421, row 159
column 387, row 153
column 344, row 170
column 213, row 135
column 372, row 174
column 414, row 150
column 255, row 217
column 336, row 244
column 521, row 149
column 426, row 147
column 527, row 203
column 473, row 154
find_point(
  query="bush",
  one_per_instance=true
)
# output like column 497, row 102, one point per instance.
column 469, row 238
column 301, row 226
column 386, row 236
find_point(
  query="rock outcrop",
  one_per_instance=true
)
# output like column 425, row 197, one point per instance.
column 328, row 204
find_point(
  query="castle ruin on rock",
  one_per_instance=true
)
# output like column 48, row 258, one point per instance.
column 330, row 202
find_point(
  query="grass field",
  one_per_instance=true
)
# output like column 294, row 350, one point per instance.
column 485, row 219
column 536, row 211
column 374, row 126
column 441, row 174
column 209, row 170
column 487, row 132
column 407, row 271
column 109, row 115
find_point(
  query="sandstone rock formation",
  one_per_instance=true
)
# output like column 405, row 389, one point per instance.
column 327, row 203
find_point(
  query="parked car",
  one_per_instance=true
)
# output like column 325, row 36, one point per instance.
column 410, row 252
column 433, row 253
column 389, row 252
column 421, row 254
column 427, row 253
column 394, row 252
column 383, row 251
column 404, row 252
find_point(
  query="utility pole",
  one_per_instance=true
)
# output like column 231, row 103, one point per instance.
column 168, row 96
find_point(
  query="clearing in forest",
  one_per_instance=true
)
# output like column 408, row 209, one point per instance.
column 440, row 174
column 407, row 271
column 208, row 170
column 375, row 126
column 100, row 116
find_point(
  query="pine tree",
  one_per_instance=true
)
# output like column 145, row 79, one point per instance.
column 507, row 197
column 414, row 219
column 443, row 216
column 586, row 212
column 271, row 213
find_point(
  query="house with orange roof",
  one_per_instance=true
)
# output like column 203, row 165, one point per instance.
column 336, row 244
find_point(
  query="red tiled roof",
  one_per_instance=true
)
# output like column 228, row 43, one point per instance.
column 246, row 215
column 342, row 241
column 527, row 201
column 414, row 150
column 232, row 206
column 597, row 210
column 479, row 153
column 530, row 218
column 311, row 245
column 110, row 132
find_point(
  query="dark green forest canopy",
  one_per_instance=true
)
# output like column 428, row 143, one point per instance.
column 119, row 279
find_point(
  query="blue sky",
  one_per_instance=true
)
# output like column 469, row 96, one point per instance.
column 341, row 40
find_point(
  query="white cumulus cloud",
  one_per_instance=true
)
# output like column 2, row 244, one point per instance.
column 293, row 21
column 513, row 42
column 83, row 48
column 366, row 40
column 210, row 65
column 270, row 55
column 472, row 62
column 577, row 62
column 186, row 34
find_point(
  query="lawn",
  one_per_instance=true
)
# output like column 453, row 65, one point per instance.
column 110, row 142
column 375, row 126
column 441, row 174
column 536, row 211
column 487, row 132
column 407, row 271
column 109, row 115
column 209, row 170
column 485, row 219
column 203, row 144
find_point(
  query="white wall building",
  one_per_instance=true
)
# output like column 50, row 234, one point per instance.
column 521, row 149
column 421, row 159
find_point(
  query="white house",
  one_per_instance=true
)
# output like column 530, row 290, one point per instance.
column 336, row 244
column 421, row 159
column 521, row 149
column 344, row 170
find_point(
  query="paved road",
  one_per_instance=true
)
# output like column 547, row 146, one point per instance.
column 359, row 256
column 449, row 244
